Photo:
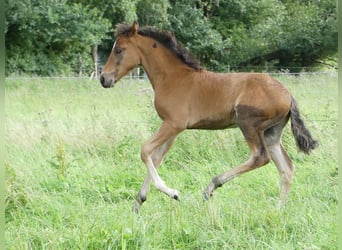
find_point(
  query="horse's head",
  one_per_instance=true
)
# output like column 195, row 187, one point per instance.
column 123, row 58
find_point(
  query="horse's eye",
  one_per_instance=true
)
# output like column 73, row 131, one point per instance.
column 118, row 51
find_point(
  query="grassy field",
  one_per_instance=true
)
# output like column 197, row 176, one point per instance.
column 73, row 170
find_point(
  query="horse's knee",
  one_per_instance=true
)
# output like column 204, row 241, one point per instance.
column 145, row 152
column 143, row 156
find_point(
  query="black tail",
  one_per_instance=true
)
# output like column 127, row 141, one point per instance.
column 303, row 137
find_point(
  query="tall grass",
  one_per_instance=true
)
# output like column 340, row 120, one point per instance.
column 73, row 171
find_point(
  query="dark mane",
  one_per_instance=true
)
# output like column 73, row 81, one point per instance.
column 165, row 38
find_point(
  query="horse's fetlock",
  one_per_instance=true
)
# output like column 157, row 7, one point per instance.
column 159, row 186
column 217, row 182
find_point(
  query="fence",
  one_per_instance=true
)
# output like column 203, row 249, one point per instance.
column 139, row 73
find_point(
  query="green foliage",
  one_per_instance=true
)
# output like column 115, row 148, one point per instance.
column 289, row 33
column 15, row 199
column 196, row 33
column 60, row 160
column 153, row 12
column 55, row 37
column 114, row 11
column 73, row 170
column 50, row 38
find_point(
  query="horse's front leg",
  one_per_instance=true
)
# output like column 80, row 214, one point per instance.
column 157, row 158
column 152, row 154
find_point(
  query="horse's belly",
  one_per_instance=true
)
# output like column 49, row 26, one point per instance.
column 212, row 123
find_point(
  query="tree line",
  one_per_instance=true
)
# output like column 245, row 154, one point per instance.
column 62, row 37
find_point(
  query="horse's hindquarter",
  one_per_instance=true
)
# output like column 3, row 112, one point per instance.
column 262, row 102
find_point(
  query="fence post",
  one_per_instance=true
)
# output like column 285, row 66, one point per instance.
column 95, row 59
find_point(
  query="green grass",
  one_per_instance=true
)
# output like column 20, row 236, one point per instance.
column 73, row 170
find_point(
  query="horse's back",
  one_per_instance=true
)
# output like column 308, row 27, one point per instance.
column 243, row 88
column 257, row 88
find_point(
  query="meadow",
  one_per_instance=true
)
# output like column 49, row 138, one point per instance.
column 73, row 170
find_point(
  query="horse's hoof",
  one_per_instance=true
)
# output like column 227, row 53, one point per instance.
column 206, row 196
column 135, row 208
column 176, row 197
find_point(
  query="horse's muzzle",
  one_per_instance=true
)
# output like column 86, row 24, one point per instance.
column 106, row 83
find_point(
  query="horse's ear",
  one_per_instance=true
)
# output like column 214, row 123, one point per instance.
column 135, row 27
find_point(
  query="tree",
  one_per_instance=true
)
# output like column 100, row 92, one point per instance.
column 286, row 33
column 197, row 33
column 153, row 13
column 57, row 37
column 51, row 37
column 114, row 12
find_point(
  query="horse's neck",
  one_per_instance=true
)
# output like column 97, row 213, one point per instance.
column 160, row 64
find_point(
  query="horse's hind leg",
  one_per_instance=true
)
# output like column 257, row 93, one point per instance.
column 259, row 157
column 281, row 160
column 285, row 168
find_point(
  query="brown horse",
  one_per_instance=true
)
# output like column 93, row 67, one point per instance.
column 189, row 97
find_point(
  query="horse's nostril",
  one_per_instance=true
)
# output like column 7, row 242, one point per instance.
column 102, row 80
